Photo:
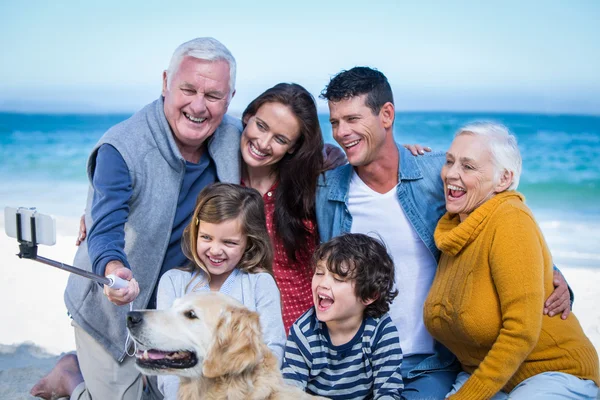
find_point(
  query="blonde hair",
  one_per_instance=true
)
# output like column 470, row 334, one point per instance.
column 224, row 201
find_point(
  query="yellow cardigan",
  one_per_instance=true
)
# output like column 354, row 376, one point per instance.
column 486, row 301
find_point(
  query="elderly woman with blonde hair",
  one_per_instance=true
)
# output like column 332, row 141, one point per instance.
column 486, row 301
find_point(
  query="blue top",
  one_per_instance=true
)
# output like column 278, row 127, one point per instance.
column 110, row 209
column 367, row 367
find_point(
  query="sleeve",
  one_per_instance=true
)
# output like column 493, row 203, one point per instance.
column 168, row 290
column 168, row 385
column 386, row 360
column 517, row 267
column 324, row 209
column 268, row 306
column 110, row 209
column 297, row 359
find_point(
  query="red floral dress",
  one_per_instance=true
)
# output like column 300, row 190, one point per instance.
column 294, row 278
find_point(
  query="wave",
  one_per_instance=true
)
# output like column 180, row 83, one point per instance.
column 572, row 236
column 23, row 355
column 22, row 365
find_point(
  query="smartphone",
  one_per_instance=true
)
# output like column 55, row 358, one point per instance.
column 45, row 225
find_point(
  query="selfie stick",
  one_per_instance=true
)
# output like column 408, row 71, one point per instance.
column 28, row 250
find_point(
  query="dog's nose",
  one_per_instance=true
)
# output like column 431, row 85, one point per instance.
column 134, row 318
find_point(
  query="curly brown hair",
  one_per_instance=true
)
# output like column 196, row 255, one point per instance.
column 365, row 260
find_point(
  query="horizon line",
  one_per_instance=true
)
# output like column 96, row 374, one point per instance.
column 237, row 114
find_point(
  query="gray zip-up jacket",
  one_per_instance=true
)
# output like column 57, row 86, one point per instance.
column 156, row 169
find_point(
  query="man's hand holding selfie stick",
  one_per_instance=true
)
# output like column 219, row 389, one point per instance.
column 31, row 228
column 123, row 295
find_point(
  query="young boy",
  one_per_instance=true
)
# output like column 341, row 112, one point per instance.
column 346, row 346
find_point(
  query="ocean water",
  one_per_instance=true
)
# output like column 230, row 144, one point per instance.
column 43, row 159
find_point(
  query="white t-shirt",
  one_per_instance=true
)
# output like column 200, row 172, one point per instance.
column 380, row 215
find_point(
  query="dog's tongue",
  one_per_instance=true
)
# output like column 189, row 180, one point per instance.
column 157, row 355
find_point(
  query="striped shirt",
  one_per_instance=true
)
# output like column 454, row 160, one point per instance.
column 367, row 367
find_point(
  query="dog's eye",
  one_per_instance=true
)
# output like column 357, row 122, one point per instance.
column 190, row 314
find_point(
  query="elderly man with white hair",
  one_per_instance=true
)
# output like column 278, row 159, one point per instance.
column 486, row 301
column 145, row 174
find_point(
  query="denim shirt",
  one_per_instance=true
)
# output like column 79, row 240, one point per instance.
column 421, row 195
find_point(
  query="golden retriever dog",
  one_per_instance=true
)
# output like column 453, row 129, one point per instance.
column 214, row 344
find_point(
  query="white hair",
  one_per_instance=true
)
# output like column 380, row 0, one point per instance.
column 204, row 48
column 502, row 145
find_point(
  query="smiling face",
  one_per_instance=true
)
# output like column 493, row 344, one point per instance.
column 269, row 135
column 362, row 134
column 220, row 247
column 469, row 175
column 196, row 99
column 335, row 299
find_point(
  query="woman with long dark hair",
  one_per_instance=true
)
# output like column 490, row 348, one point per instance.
column 282, row 148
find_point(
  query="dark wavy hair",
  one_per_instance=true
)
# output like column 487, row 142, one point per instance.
column 366, row 260
column 356, row 82
column 297, row 172
column 224, row 201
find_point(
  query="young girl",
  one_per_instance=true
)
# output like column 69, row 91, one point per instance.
column 229, row 251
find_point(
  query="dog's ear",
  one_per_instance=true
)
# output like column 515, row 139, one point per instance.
column 237, row 345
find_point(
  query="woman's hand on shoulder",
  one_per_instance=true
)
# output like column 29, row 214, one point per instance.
column 333, row 157
column 417, row 149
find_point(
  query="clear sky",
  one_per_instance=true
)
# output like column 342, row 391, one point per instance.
column 526, row 56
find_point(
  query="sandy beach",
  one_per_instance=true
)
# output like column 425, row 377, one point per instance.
column 36, row 328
